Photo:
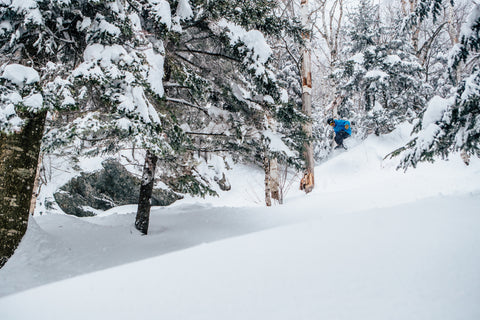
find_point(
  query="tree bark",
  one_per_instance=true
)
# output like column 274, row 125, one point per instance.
column 307, row 101
column 36, row 186
column 274, row 180
column 266, row 168
column 416, row 28
column 19, row 156
column 143, row 212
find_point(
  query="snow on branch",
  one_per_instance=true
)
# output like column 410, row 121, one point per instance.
column 20, row 75
column 253, row 40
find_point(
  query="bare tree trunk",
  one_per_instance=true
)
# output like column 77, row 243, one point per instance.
column 452, row 28
column 283, row 183
column 36, row 186
column 465, row 157
column 453, row 34
column 405, row 9
column 266, row 168
column 416, row 28
column 143, row 212
column 19, row 155
column 307, row 101
column 274, row 182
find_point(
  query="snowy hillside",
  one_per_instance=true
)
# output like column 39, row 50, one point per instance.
column 369, row 242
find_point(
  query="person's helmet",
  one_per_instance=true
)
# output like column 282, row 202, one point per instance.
column 330, row 121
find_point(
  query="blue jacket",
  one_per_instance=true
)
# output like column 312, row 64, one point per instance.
column 342, row 125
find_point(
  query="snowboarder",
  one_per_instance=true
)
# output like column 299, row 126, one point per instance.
column 342, row 131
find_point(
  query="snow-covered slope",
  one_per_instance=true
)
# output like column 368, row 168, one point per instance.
column 368, row 243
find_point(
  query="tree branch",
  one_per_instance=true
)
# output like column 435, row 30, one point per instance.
column 207, row 150
column 426, row 46
column 186, row 103
column 208, row 134
column 209, row 54
column 189, row 62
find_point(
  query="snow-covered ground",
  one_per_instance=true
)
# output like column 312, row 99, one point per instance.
column 369, row 242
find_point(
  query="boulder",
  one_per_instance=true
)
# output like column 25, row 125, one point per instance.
column 102, row 190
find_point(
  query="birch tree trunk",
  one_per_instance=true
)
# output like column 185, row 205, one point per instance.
column 143, row 212
column 266, row 168
column 274, row 180
column 19, row 156
column 416, row 28
column 36, row 186
column 307, row 100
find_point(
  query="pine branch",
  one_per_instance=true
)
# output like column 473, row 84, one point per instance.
column 174, row 85
column 208, row 150
column 292, row 56
column 208, row 134
column 187, row 49
column 203, row 38
column 58, row 38
column 190, row 62
column 186, row 103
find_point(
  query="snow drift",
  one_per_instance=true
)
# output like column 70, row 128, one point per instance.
column 369, row 242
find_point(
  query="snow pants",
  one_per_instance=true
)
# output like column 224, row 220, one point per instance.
column 340, row 136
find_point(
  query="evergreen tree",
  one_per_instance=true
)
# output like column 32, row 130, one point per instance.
column 223, row 86
column 33, row 49
column 452, row 124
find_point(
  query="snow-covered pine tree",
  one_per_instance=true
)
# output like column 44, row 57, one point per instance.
column 96, row 58
column 33, row 47
column 116, row 82
column 379, row 80
column 225, row 88
column 433, row 38
column 452, row 124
